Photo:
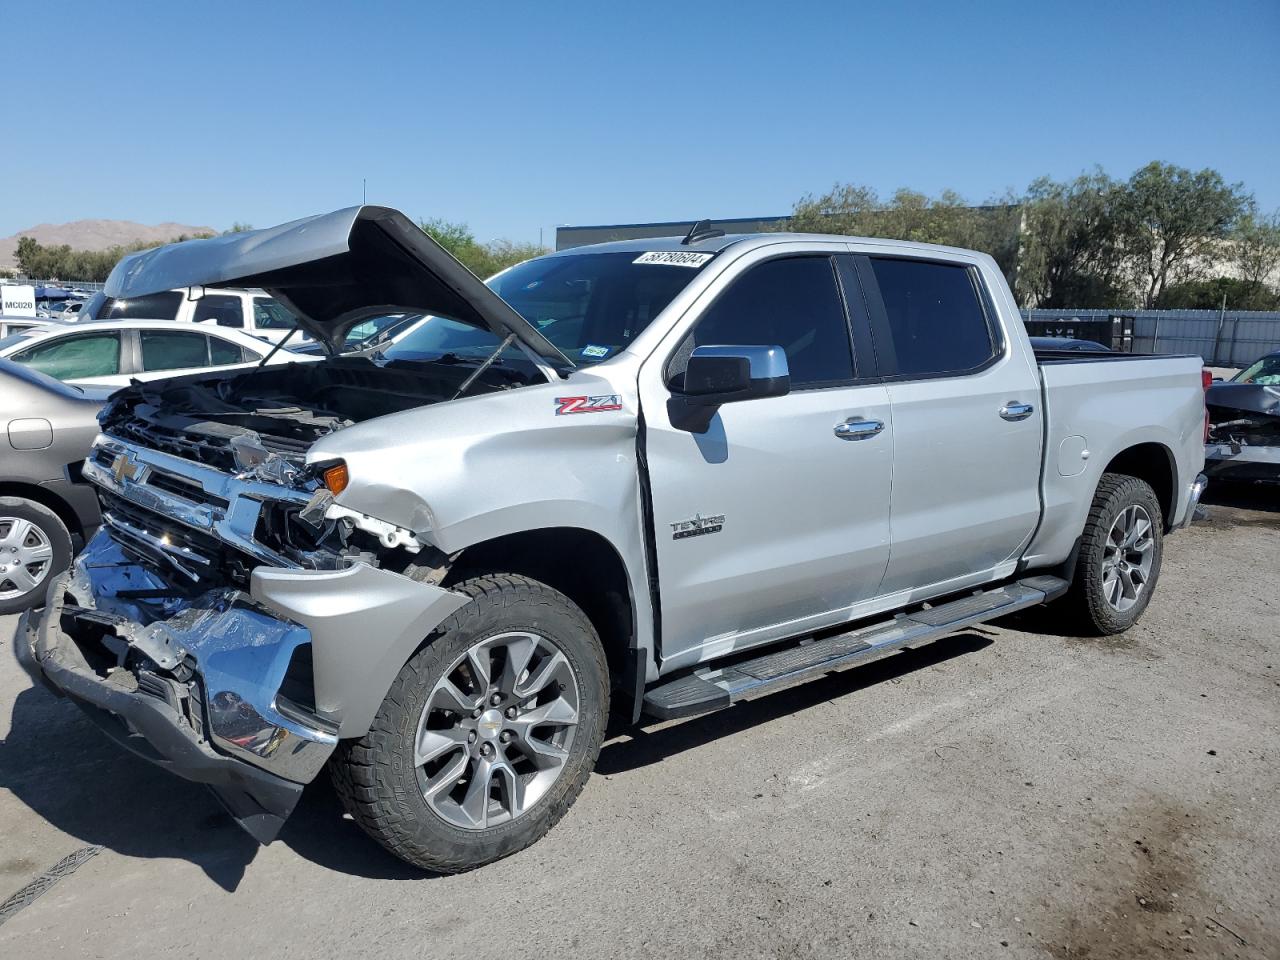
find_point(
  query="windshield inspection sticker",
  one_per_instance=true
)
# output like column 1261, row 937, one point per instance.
column 567, row 405
column 591, row 350
column 674, row 258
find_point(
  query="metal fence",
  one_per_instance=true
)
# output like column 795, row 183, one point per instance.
column 1224, row 338
column 88, row 286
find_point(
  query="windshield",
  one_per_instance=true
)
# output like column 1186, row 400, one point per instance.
column 590, row 305
column 1266, row 371
column 374, row 329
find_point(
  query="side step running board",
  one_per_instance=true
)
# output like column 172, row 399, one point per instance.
column 710, row 688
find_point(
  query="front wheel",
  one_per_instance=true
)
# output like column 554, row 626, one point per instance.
column 488, row 733
column 1120, row 554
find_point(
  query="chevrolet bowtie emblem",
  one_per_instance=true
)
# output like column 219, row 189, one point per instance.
column 125, row 467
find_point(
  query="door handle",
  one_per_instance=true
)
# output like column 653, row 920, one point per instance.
column 855, row 429
column 1013, row 410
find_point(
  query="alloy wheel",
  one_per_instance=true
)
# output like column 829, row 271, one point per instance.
column 496, row 730
column 1127, row 557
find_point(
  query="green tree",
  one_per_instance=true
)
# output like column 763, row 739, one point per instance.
column 1255, row 247
column 1070, row 246
column 63, row 263
column 1233, row 292
column 1171, row 219
column 857, row 210
column 238, row 227
column 26, row 254
column 482, row 259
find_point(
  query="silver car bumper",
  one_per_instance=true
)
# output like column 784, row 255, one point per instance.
column 248, row 692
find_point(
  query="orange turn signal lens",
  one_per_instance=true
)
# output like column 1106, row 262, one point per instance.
column 336, row 478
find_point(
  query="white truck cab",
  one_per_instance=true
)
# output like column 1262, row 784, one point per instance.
column 253, row 312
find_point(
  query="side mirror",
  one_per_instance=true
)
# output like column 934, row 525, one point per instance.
column 718, row 375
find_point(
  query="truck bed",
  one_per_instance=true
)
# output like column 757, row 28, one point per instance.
column 1094, row 403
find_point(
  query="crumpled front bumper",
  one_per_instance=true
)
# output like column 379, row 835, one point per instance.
column 1240, row 462
column 246, row 692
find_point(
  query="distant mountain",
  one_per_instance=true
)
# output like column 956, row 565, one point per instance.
column 94, row 235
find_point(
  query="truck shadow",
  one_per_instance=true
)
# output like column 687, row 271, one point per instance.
column 1245, row 496
column 56, row 762
column 69, row 773
column 61, row 766
column 629, row 748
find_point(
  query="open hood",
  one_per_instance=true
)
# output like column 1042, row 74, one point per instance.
column 1249, row 397
column 334, row 270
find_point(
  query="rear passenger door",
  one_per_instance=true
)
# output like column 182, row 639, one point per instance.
column 966, row 423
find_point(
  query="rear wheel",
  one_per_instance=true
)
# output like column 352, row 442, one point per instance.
column 34, row 546
column 1120, row 555
column 487, row 735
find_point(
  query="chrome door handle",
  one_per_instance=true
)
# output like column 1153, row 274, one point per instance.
column 1016, row 411
column 855, row 429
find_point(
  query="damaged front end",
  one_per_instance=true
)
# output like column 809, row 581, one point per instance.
column 231, row 621
column 1244, row 432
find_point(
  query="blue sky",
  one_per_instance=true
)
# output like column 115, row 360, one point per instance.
column 516, row 117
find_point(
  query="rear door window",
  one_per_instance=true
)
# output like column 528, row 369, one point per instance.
column 221, row 309
column 153, row 306
column 171, row 350
column 934, row 316
column 75, row 358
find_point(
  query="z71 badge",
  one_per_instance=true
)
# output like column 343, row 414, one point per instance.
column 566, row 405
column 699, row 526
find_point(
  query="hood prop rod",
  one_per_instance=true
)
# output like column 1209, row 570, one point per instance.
column 272, row 352
column 484, row 366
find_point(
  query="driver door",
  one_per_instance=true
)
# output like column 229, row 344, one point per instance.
column 770, row 522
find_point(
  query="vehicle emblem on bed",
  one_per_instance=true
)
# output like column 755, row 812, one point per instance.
column 124, row 466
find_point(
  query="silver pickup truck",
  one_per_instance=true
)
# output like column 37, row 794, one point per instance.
column 675, row 473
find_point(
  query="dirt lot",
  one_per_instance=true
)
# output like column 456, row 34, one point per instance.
column 1001, row 793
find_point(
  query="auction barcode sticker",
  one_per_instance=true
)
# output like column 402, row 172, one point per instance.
column 674, row 258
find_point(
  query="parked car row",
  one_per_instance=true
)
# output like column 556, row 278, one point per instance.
column 118, row 352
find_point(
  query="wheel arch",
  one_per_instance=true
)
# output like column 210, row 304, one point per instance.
column 1155, row 464
column 578, row 562
column 46, row 498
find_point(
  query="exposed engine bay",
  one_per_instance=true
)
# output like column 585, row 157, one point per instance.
column 240, row 493
column 284, row 409
column 1244, row 430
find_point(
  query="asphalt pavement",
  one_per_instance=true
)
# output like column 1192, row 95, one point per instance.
column 1013, row 791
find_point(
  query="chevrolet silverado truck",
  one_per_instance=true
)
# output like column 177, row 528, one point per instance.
column 676, row 472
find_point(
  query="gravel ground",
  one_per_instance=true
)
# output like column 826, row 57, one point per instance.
column 1011, row 791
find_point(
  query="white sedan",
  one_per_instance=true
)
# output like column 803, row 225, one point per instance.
column 116, row 352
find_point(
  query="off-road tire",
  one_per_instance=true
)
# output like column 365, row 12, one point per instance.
column 375, row 776
column 1086, row 602
column 54, row 531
